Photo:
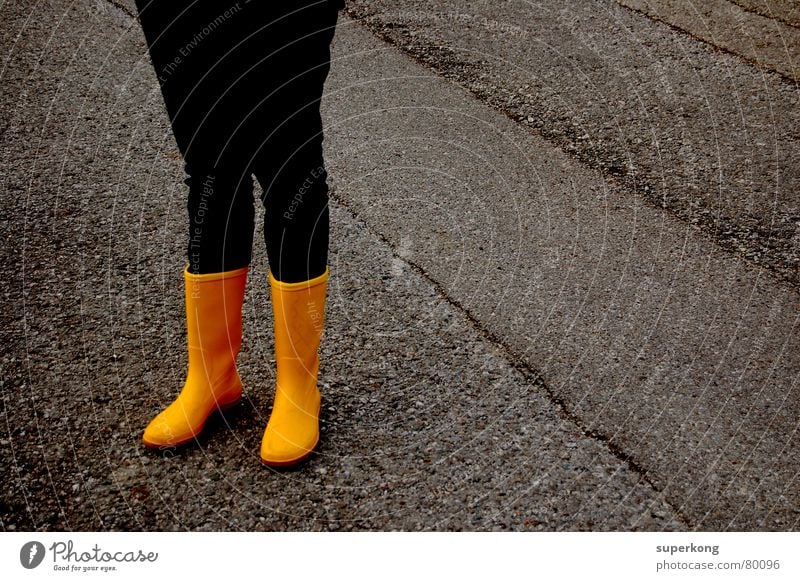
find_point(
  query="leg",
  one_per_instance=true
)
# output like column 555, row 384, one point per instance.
column 221, row 220
column 192, row 48
column 187, row 41
column 289, row 163
column 290, row 168
column 296, row 225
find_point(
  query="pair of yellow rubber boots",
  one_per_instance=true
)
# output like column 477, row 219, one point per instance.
column 214, row 329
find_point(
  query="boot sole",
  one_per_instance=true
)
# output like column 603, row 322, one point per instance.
column 217, row 410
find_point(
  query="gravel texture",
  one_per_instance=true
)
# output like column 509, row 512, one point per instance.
column 691, row 129
column 786, row 11
column 683, row 357
column 766, row 41
column 426, row 425
column 514, row 340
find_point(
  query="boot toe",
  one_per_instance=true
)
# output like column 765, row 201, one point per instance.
column 166, row 430
column 280, row 449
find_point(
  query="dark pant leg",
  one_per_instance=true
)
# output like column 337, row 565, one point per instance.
column 289, row 162
column 221, row 220
column 242, row 84
column 296, row 224
column 192, row 45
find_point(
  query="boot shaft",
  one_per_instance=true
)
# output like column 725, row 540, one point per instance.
column 299, row 314
column 214, row 319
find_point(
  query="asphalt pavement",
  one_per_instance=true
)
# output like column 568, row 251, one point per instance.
column 535, row 321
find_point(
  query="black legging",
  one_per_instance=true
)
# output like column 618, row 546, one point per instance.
column 242, row 82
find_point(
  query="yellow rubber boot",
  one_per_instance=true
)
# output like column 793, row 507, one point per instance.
column 214, row 332
column 293, row 429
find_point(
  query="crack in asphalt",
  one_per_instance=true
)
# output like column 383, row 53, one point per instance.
column 517, row 362
column 722, row 49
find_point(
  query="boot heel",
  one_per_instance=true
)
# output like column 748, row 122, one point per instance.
column 233, row 393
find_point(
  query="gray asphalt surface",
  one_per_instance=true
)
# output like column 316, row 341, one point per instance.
column 518, row 337
column 701, row 133
column 786, row 11
column 767, row 37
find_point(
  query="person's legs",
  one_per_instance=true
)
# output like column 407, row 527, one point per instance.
column 242, row 85
column 290, row 168
column 289, row 162
column 296, row 222
column 193, row 48
column 191, row 43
